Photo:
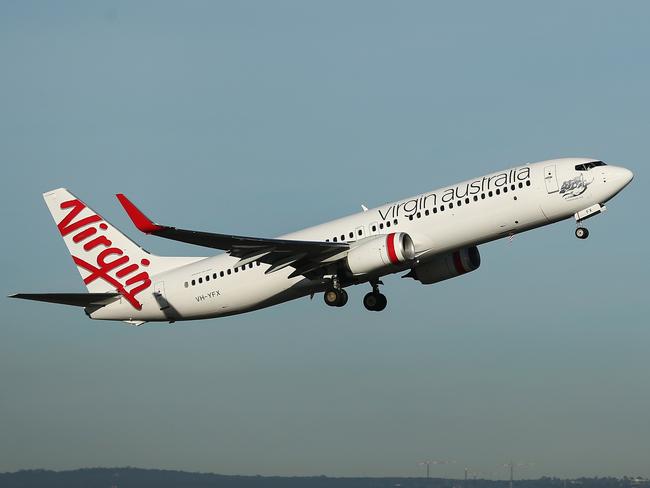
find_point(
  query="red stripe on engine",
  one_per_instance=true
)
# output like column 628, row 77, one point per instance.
column 390, row 246
column 458, row 264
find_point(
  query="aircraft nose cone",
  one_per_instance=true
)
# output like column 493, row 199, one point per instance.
column 627, row 175
column 622, row 176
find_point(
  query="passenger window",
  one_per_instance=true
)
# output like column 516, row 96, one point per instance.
column 482, row 196
column 505, row 189
column 451, row 204
column 200, row 280
column 395, row 221
column 351, row 234
column 250, row 266
column 193, row 282
column 442, row 208
column 418, row 215
column 186, row 285
column 221, row 273
column 387, row 224
column 342, row 237
column 512, row 187
column 214, row 276
column 527, row 182
column 229, row 271
column 498, row 191
column 466, row 201
column 490, row 193
column 381, row 226
column 236, row 270
column 335, row 239
column 207, row 278
column 426, row 212
column 521, row 185
column 475, row 198
column 360, row 232
column 374, row 228
column 435, row 209
column 411, row 217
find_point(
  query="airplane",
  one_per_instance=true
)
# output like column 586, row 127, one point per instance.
column 432, row 237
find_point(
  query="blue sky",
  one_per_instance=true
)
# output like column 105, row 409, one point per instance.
column 264, row 117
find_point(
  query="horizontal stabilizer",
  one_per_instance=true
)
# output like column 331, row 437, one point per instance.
column 76, row 299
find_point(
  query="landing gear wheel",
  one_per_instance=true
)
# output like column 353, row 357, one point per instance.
column 331, row 297
column 375, row 301
column 335, row 298
column 370, row 301
column 343, row 298
column 382, row 303
column 582, row 233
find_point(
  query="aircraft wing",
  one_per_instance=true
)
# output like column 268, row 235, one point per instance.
column 304, row 256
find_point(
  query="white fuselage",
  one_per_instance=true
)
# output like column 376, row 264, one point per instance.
column 491, row 207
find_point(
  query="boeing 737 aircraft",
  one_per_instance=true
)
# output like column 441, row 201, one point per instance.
column 432, row 237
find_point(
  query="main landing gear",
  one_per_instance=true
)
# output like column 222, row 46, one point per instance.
column 335, row 296
column 375, row 301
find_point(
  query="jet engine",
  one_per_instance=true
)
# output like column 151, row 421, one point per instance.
column 383, row 251
column 445, row 266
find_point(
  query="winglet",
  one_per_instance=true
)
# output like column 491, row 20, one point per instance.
column 140, row 220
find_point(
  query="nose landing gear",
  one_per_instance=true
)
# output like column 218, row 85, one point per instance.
column 587, row 213
column 375, row 301
column 582, row 233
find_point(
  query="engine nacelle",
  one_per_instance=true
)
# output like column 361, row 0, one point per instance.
column 379, row 252
column 445, row 266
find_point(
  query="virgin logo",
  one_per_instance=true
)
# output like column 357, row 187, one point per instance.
column 111, row 264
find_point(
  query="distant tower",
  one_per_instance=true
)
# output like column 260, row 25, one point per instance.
column 433, row 461
column 511, row 466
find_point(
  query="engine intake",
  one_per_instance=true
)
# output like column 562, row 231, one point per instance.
column 446, row 266
column 376, row 253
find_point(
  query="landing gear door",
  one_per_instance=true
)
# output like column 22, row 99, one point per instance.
column 550, row 179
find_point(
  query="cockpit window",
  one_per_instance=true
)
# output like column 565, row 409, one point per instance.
column 589, row 165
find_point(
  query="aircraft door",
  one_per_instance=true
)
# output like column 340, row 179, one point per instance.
column 159, row 295
column 550, row 179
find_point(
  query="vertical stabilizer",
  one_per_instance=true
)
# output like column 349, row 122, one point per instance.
column 107, row 260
